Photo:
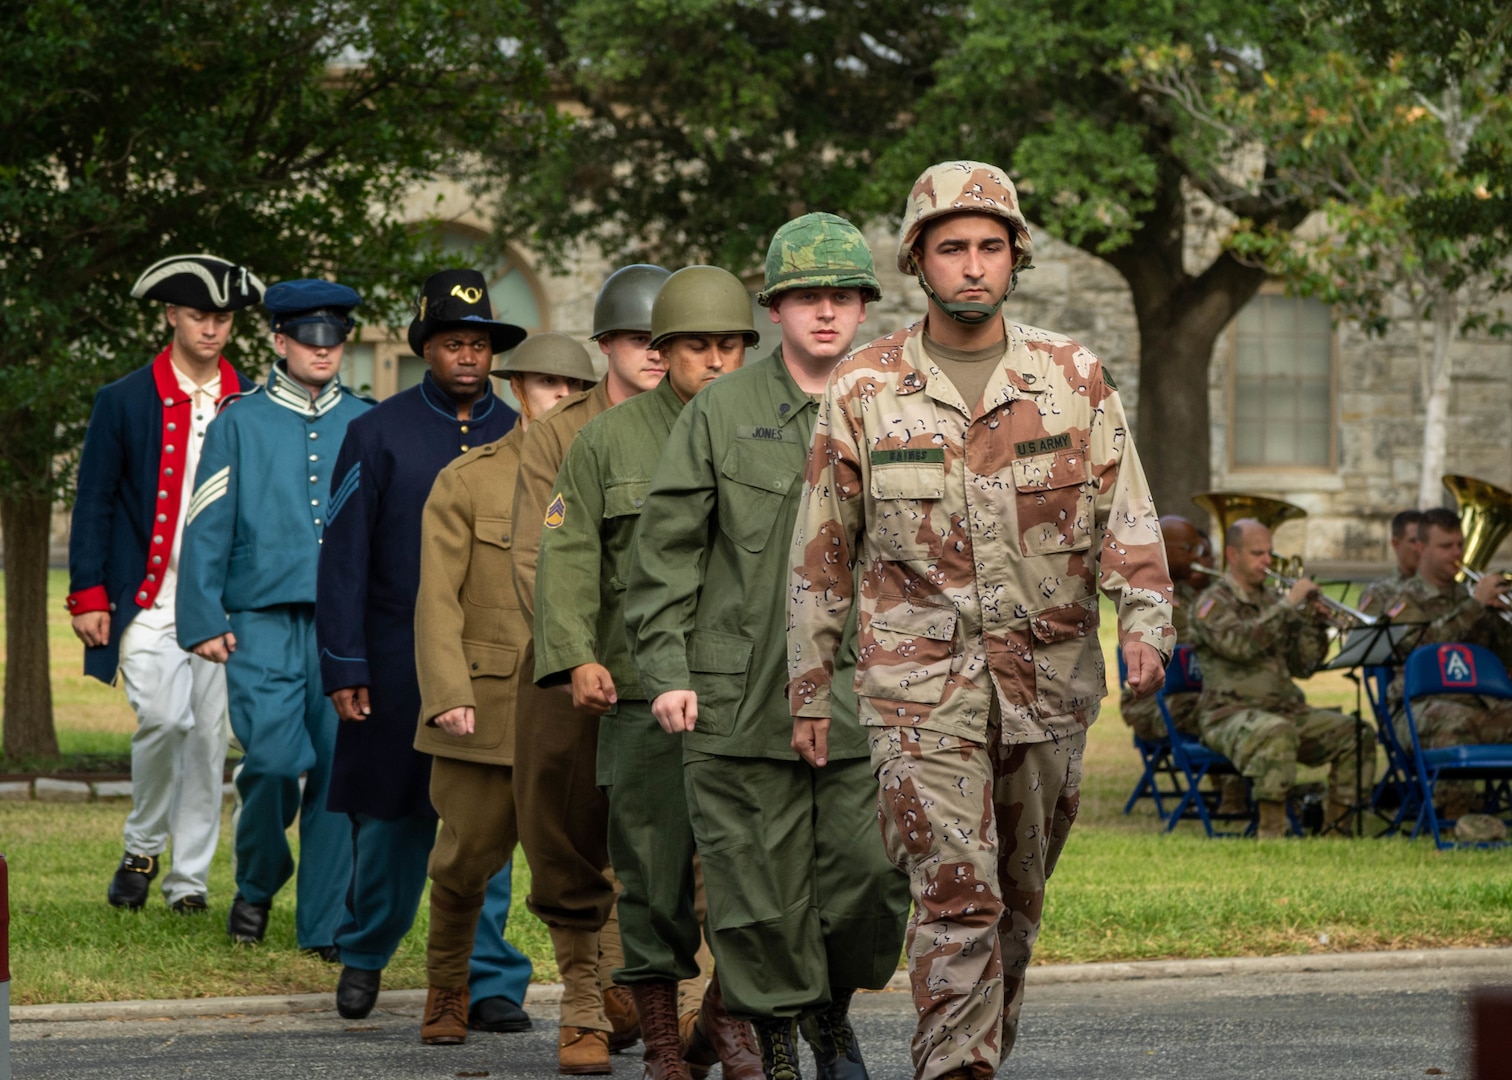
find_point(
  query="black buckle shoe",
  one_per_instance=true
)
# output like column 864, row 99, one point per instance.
column 193, row 904
column 247, row 922
column 357, row 992
column 837, row 1056
column 331, row 954
column 497, row 1014
column 132, row 880
column 779, row 1049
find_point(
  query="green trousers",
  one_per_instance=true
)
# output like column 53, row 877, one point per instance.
column 650, row 845
column 801, row 894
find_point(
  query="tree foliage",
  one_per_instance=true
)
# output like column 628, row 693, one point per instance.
column 283, row 134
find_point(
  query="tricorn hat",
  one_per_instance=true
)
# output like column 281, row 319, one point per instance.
column 459, row 298
column 202, row 282
column 315, row 312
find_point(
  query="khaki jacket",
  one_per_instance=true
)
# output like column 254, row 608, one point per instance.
column 470, row 636
column 982, row 540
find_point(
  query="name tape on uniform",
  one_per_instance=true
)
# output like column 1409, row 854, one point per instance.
column 1043, row 446
column 895, row 457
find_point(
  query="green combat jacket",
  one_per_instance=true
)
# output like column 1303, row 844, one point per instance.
column 727, row 491
column 586, row 536
column 1249, row 648
column 1449, row 614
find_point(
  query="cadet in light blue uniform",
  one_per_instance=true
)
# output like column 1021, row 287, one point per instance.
column 246, row 598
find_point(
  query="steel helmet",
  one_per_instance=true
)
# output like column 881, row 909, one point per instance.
column 816, row 251
column 702, row 300
column 549, row 354
column 624, row 301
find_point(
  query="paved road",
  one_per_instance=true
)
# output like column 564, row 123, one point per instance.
column 1359, row 1025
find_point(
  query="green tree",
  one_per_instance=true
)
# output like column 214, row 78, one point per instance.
column 284, row 134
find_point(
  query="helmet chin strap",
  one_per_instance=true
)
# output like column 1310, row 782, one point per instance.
column 966, row 312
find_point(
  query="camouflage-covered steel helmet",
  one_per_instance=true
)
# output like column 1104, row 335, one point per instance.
column 624, row 301
column 549, row 354
column 816, row 251
column 954, row 187
column 702, row 300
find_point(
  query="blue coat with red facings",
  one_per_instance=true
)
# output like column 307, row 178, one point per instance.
column 368, row 579
column 131, row 482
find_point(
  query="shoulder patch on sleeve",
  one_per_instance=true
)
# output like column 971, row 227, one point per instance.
column 1206, row 606
column 1396, row 609
column 556, row 512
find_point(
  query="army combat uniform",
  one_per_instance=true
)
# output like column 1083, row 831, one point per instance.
column 1143, row 714
column 1249, row 648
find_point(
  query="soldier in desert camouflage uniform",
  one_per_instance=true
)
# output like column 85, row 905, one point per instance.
column 980, row 476
column 1251, row 643
column 1451, row 613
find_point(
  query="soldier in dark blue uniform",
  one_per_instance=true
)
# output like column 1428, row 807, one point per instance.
column 365, row 624
column 246, row 599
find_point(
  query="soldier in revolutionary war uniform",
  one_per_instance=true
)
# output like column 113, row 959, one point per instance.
column 1251, row 643
column 700, row 326
column 136, row 475
column 1450, row 612
column 469, row 639
column 804, row 907
column 563, row 815
column 246, row 599
column 981, row 478
column 365, row 625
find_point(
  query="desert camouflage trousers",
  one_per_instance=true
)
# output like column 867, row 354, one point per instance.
column 1266, row 748
column 977, row 829
column 1456, row 721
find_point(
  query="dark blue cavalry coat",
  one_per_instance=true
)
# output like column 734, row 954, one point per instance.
column 368, row 579
column 131, row 484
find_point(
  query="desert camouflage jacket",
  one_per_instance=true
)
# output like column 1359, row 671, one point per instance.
column 982, row 540
column 1249, row 648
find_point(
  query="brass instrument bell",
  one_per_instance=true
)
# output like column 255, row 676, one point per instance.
column 1227, row 507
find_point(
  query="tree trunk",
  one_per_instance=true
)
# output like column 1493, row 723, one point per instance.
column 1436, row 412
column 27, row 523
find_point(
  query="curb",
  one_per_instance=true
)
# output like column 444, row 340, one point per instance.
column 50, row 789
column 1498, row 959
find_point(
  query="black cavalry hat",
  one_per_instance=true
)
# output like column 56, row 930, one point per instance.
column 203, row 282
column 459, row 298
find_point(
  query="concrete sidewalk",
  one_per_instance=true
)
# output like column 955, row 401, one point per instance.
column 1046, row 975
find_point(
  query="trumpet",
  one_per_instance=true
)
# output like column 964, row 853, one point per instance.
column 1335, row 607
column 1473, row 578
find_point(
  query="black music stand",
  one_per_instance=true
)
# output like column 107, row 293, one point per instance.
column 1380, row 644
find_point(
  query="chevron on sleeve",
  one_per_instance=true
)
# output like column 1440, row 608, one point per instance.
column 344, row 491
column 211, row 490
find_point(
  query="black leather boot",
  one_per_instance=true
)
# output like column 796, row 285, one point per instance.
column 837, row 1056
column 779, row 1049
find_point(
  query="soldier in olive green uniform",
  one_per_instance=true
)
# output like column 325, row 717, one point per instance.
column 804, row 907
column 1450, row 612
column 563, row 814
column 978, row 476
column 469, row 637
column 1251, row 643
column 701, row 325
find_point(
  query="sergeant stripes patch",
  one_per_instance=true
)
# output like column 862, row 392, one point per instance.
column 208, row 492
column 340, row 496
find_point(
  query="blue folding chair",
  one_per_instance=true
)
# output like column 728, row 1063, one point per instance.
column 1192, row 760
column 1398, row 784
column 1453, row 668
column 1154, row 757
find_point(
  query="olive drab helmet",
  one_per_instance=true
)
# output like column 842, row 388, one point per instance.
column 954, row 187
column 702, row 300
column 549, row 354
column 624, row 301
column 817, row 251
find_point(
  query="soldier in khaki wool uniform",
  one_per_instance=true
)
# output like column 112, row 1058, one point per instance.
column 804, row 907
column 981, row 478
column 1451, row 612
column 1251, row 643
column 563, row 814
column 469, row 637
column 700, row 325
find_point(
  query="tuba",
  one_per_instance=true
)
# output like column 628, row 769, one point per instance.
column 1227, row 507
column 1485, row 512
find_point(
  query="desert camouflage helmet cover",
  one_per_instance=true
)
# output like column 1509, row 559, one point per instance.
column 817, row 251
column 954, row 187
column 702, row 300
column 549, row 354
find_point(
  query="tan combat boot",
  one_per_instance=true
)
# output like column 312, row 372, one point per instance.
column 1235, row 800
column 445, row 1019
column 624, row 1019
column 1338, row 820
column 1273, row 824
column 656, row 1002
column 583, row 1042
column 582, row 1052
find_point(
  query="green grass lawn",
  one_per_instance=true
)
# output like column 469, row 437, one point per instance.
column 1123, row 890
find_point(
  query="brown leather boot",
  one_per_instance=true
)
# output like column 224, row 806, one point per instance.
column 656, row 1002
column 582, row 1052
column 445, row 1019
column 1273, row 824
column 718, row 1036
column 619, row 1007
